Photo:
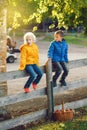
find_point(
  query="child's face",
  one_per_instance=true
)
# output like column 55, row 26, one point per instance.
column 29, row 40
column 57, row 37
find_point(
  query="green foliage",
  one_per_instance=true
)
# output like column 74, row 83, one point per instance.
column 83, row 17
column 68, row 12
column 20, row 12
column 63, row 10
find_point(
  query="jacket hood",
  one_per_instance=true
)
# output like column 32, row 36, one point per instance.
column 22, row 46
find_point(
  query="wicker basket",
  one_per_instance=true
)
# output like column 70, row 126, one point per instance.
column 63, row 115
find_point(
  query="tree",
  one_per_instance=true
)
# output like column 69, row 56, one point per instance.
column 3, row 85
column 20, row 12
column 83, row 18
column 68, row 12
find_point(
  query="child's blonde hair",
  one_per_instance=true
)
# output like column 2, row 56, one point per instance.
column 31, row 35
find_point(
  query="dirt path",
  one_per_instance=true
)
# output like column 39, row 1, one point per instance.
column 75, row 52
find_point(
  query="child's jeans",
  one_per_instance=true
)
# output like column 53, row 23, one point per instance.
column 35, row 74
column 59, row 67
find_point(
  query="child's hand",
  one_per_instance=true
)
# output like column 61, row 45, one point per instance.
column 47, row 60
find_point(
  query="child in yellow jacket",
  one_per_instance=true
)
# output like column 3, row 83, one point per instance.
column 29, row 61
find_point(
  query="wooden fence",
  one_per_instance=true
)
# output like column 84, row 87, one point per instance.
column 72, row 96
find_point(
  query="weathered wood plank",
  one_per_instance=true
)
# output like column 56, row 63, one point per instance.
column 19, row 74
column 71, row 85
column 15, row 74
column 73, row 104
column 5, row 125
column 22, row 97
column 28, row 118
column 77, row 63
column 41, row 92
column 66, row 94
column 40, row 103
column 71, row 95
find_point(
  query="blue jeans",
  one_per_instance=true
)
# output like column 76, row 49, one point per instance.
column 59, row 67
column 35, row 74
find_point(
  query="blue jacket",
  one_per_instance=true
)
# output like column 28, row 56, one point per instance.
column 58, row 51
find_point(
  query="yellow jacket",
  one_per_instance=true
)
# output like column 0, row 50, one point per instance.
column 29, row 55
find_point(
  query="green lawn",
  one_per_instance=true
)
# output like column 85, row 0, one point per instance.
column 76, row 124
column 77, row 40
column 70, row 38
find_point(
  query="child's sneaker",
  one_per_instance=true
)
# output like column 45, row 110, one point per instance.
column 34, row 86
column 63, row 83
column 27, row 90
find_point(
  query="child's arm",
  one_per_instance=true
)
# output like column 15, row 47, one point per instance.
column 22, row 59
column 66, row 54
column 50, row 51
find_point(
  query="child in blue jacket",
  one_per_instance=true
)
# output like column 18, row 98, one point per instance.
column 58, row 53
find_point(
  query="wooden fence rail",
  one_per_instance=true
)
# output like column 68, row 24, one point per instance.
column 71, row 95
column 19, row 74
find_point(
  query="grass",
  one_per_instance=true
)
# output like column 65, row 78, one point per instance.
column 70, row 125
column 70, row 38
column 78, row 123
column 77, row 40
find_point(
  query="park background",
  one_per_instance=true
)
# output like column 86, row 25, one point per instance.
column 43, row 17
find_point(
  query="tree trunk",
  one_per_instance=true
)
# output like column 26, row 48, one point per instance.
column 3, row 85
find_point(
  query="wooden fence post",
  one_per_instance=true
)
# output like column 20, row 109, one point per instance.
column 49, row 89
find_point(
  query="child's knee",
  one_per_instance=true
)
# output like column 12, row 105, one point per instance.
column 60, row 71
column 34, row 76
